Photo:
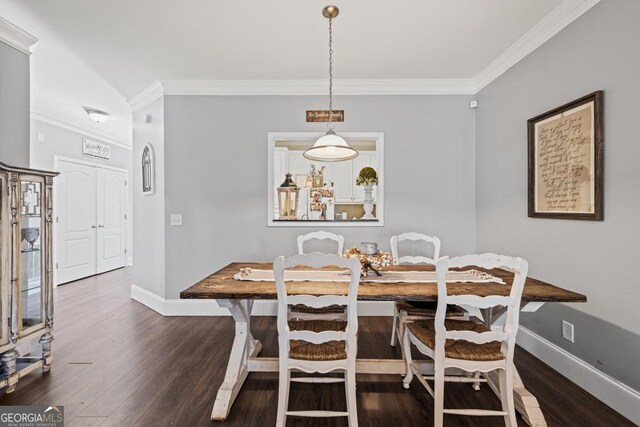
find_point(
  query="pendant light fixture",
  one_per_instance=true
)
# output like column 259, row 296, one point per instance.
column 330, row 147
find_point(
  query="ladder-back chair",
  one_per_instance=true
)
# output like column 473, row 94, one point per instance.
column 469, row 345
column 317, row 346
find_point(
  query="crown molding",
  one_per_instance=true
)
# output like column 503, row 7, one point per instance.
column 564, row 14
column 318, row 87
column 71, row 125
column 149, row 95
column 16, row 37
column 161, row 88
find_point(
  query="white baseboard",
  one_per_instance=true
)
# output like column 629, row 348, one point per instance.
column 610, row 391
column 195, row 307
column 145, row 297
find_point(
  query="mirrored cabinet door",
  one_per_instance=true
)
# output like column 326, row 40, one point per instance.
column 31, row 260
column 5, row 254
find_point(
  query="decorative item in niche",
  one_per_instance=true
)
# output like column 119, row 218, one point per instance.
column 30, row 198
column 321, row 204
column 566, row 161
column 367, row 178
column 95, row 149
column 148, row 172
column 288, row 194
column 317, row 176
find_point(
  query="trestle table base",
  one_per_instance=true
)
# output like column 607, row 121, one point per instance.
column 244, row 359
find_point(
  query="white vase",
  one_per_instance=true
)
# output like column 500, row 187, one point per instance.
column 368, row 203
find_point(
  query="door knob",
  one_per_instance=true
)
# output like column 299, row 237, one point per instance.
column 101, row 226
column 93, row 226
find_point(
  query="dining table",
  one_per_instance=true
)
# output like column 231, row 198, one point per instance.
column 238, row 297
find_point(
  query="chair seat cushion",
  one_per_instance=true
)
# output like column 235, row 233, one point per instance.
column 424, row 330
column 426, row 308
column 332, row 309
column 303, row 350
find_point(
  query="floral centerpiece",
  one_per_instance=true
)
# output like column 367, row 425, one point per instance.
column 371, row 262
column 367, row 176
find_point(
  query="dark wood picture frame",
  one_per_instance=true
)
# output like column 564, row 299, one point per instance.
column 596, row 147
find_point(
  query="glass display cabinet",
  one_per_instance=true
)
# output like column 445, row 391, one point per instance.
column 26, row 272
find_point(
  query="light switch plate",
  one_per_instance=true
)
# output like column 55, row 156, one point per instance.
column 176, row 219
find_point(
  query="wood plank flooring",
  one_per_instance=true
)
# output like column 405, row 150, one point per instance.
column 118, row 363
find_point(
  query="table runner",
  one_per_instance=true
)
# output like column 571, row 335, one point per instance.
column 466, row 276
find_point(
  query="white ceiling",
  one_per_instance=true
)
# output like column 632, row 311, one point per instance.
column 133, row 43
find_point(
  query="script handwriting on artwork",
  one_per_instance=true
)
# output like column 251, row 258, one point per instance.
column 565, row 162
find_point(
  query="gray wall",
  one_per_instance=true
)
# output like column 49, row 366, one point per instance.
column 66, row 143
column 148, row 211
column 216, row 175
column 598, row 51
column 14, row 106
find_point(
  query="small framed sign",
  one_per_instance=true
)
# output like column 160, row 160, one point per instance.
column 323, row 115
column 566, row 148
column 95, row 149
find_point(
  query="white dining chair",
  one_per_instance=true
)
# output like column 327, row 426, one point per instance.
column 320, row 235
column 414, row 237
column 299, row 311
column 406, row 310
column 467, row 344
column 317, row 346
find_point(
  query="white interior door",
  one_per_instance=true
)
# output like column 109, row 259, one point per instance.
column 76, row 222
column 111, row 233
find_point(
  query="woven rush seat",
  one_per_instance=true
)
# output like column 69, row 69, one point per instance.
column 424, row 330
column 426, row 308
column 303, row 350
column 331, row 309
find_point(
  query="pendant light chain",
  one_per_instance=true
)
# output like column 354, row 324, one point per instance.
column 331, row 125
column 330, row 147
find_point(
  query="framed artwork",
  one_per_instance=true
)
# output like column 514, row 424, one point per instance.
column 566, row 161
column 148, row 166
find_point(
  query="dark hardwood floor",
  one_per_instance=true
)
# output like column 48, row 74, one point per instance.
column 118, row 363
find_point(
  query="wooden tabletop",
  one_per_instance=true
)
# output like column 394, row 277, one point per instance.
column 222, row 285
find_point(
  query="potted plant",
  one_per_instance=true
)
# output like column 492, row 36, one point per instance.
column 367, row 177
